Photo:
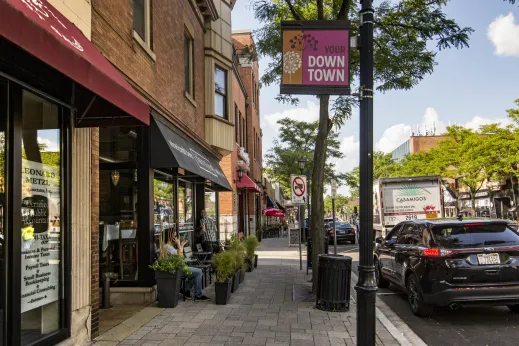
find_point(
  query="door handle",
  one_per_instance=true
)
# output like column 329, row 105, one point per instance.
column 492, row 271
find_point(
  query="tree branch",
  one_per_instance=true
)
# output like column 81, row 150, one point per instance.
column 320, row 10
column 344, row 10
column 293, row 10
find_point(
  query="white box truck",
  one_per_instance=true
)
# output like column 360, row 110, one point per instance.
column 405, row 198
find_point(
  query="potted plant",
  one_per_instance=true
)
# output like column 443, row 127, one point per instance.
column 238, row 251
column 169, row 271
column 224, row 264
column 251, row 243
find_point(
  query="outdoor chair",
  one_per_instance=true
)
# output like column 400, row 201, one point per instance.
column 192, row 261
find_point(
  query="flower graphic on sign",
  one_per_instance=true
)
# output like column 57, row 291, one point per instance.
column 304, row 42
column 291, row 63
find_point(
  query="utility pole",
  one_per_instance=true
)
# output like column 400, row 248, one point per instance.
column 366, row 286
column 334, row 193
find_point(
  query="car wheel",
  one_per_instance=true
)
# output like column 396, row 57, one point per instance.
column 415, row 298
column 381, row 282
column 514, row 308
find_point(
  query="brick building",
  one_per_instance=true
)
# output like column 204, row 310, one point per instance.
column 241, row 208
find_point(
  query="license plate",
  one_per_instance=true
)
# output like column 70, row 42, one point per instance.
column 488, row 258
column 340, row 232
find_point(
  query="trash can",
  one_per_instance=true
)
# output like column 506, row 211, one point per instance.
column 309, row 250
column 333, row 283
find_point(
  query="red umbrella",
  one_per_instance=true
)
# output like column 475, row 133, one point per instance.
column 273, row 212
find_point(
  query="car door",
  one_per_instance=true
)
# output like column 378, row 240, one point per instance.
column 405, row 250
column 384, row 251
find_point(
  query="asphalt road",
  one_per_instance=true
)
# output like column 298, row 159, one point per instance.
column 466, row 326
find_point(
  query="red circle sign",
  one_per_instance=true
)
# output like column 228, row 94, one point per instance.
column 298, row 184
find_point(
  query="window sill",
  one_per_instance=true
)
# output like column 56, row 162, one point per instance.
column 190, row 99
column 223, row 120
column 144, row 46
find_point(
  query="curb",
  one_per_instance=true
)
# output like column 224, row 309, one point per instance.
column 401, row 332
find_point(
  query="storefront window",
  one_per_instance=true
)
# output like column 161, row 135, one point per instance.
column 211, row 208
column 118, row 191
column 41, row 284
column 164, row 208
column 186, row 212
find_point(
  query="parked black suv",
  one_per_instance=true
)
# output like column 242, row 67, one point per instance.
column 345, row 232
column 454, row 263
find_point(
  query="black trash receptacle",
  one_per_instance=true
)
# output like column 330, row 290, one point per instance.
column 333, row 283
column 309, row 250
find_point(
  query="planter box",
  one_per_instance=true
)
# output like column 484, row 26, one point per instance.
column 250, row 264
column 222, row 292
column 168, row 288
column 242, row 275
column 255, row 261
column 235, row 282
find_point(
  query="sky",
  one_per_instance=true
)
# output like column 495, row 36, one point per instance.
column 469, row 87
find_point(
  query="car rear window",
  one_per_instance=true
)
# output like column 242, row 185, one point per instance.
column 473, row 235
column 342, row 225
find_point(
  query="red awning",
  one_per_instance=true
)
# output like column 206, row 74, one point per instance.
column 41, row 30
column 246, row 183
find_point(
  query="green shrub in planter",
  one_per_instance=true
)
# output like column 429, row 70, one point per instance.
column 168, row 273
column 251, row 244
column 224, row 264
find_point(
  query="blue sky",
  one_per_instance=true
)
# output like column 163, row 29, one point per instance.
column 468, row 87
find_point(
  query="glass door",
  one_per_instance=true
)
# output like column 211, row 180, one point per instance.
column 186, row 225
column 41, row 231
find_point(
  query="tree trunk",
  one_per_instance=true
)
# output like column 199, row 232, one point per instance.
column 317, row 212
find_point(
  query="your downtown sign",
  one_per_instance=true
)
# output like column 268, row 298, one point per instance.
column 315, row 57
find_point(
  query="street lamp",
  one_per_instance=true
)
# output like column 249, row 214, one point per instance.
column 302, row 163
column 240, row 174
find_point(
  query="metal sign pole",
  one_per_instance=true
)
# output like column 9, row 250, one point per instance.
column 366, row 285
column 301, row 218
column 334, row 230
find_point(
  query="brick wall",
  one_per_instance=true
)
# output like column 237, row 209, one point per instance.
column 94, row 246
column 425, row 143
column 161, row 80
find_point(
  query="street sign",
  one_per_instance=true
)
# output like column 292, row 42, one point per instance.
column 298, row 187
column 334, row 188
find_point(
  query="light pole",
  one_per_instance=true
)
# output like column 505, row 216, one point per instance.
column 366, row 285
column 334, row 191
column 302, row 163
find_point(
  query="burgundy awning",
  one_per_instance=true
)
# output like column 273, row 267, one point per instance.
column 247, row 184
column 41, row 30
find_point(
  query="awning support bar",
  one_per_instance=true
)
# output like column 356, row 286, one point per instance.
column 87, row 108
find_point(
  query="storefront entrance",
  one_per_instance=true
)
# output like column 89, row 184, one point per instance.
column 34, row 223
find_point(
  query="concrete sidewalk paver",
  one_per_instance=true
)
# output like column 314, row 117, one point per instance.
column 261, row 312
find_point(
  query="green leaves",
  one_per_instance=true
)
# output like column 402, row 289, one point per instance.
column 171, row 264
column 297, row 139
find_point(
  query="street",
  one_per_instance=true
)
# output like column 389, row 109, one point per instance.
column 466, row 326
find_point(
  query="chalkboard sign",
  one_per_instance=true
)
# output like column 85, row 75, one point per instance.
column 293, row 236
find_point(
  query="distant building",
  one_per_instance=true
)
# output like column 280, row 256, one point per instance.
column 415, row 144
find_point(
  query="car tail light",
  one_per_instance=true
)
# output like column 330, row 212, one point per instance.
column 437, row 252
column 331, row 231
column 475, row 224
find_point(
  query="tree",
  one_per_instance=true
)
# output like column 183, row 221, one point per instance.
column 296, row 139
column 383, row 167
column 340, row 202
column 404, row 31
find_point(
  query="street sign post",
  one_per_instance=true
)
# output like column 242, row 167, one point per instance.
column 299, row 197
column 334, row 193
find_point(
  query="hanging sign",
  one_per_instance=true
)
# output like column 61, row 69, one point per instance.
column 298, row 187
column 315, row 57
column 334, row 188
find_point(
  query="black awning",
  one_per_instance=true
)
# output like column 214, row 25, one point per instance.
column 170, row 149
column 271, row 203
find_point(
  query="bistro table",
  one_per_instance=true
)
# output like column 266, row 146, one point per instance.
column 203, row 256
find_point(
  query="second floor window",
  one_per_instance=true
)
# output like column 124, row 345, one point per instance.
column 220, row 92
column 188, row 65
column 142, row 20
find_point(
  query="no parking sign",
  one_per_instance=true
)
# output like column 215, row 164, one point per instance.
column 298, row 187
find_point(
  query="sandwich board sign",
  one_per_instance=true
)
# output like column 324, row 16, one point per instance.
column 298, row 187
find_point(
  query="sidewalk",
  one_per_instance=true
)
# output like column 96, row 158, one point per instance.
column 261, row 312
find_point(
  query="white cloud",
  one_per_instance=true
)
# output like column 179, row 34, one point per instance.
column 503, row 32
column 393, row 137
column 350, row 148
column 477, row 121
column 50, row 145
column 309, row 113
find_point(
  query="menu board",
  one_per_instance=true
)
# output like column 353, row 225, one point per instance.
column 293, row 236
column 41, row 225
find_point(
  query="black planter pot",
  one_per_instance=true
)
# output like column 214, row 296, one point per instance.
column 250, row 264
column 258, row 235
column 235, row 282
column 242, row 275
column 168, row 288
column 222, row 292
column 255, row 261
